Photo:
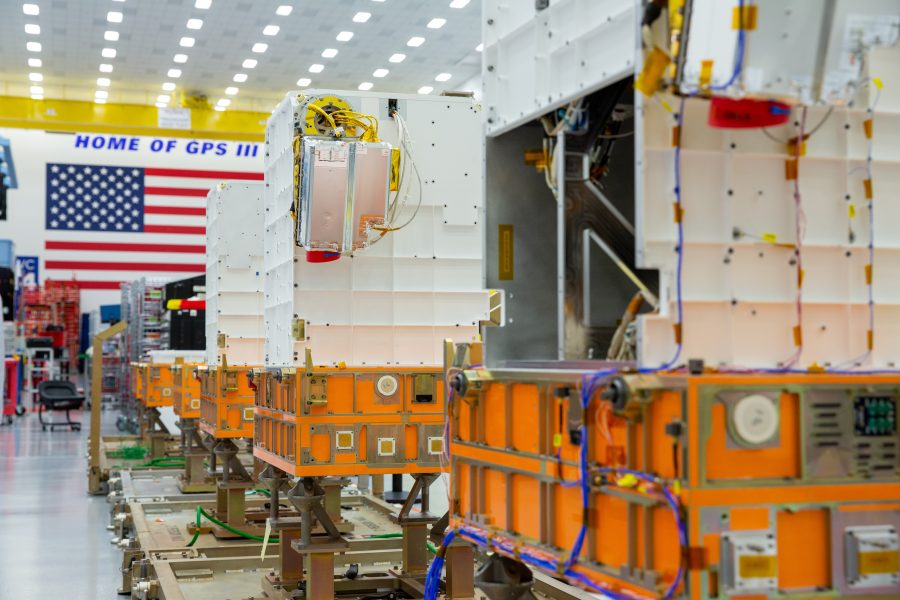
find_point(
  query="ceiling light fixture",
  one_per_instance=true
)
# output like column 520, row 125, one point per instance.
column 35, row 77
column 344, row 36
column 163, row 98
column 174, row 73
column 180, row 58
column 203, row 4
column 101, row 94
column 231, row 91
column 33, row 46
column 160, row 105
column 35, row 62
column 187, row 42
column 459, row 3
column 361, row 17
column 240, row 77
column 316, row 68
column 259, row 47
column 284, row 10
column 415, row 41
column 37, row 97
column 114, row 17
column 108, row 53
column 304, row 81
column 223, row 102
column 106, row 68
column 329, row 53
column 397, row 58
column 365, row 86
column 31, row 9
column 425, row 89
column 380, row 73
column 249, row 63
column 111, row 36
column 443, row 77
column 195, row 24
column 168, row 86
column 103, row 81
column 219, row 108
column 99, row 100
column 271, row 30
column 32, row 29
column 436, row 23
column 36, row 89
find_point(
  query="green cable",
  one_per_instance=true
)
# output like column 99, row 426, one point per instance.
column 227, row 527
column 383, row 536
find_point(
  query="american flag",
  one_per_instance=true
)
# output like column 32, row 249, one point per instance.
column 107, row 224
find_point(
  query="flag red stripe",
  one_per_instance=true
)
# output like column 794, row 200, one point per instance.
column 175, row 229
column 99, row 285
column 123, row 266
column 203, row 174
column 171, row 191
column 175, row 210
column 123, row 247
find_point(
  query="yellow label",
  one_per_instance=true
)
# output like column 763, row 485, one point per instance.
column 769, row 237
column 505, row 253
column 557, row 440
column 757, row 567
column 851, row 210
column 879, row 563
column 744, row 18
column 878, row 83
column 706, row 67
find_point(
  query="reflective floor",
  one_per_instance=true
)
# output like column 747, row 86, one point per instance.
column 53, row 537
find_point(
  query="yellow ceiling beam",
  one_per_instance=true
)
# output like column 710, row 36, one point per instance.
column 127, row 119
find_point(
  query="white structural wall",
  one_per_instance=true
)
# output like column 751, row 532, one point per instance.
column 26, row 206
column 740, row 267
column 235, row 273
column 396, row 301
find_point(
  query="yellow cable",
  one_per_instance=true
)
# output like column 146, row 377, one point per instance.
column 328, row 117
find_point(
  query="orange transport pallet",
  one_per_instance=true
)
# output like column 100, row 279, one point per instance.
column 186, row 390
column 788, row 485
column 336, row 422
column 157, row 385
column 226, row 401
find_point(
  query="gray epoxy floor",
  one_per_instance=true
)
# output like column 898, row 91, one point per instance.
column 53, row 537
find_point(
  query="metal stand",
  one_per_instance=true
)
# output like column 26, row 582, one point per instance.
column 318, row 552
column 195, row 478
column 459, row 560
column 416, row 527
column 154, row 432
column 95, row 474
column 231, row 488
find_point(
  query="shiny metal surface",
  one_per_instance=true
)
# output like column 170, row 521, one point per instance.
column 53, row 537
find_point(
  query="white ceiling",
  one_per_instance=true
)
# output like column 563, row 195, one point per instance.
column 72, row 38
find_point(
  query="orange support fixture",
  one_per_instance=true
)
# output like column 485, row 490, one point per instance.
column 226, row 401
column 157, row 385
column 360, row 421
column 186, row 390
column 787, row 483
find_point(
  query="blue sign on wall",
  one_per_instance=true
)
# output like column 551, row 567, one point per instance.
column 27, row 271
